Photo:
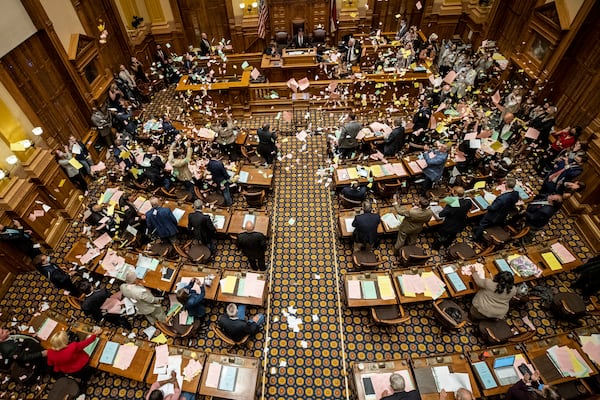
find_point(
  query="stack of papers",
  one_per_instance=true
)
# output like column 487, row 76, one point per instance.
column 562, row 253
column 46, row 329
column 569, row 362
column 392, row 221
column 552, row 261
column 228, row 284
column 109, row 353
column 178, row 213
column 125, row 356
column 222, row 377
column 450, row 382
column 591, row 347
column 427, row 283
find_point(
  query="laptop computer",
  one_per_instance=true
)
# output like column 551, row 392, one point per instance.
column 505, row 371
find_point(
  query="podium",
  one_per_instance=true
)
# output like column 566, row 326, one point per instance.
column 295, row 57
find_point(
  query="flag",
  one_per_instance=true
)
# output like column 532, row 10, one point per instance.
column 263, row 17
column 333, row 15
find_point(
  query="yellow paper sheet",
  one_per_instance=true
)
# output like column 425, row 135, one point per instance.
column 18, row 146
column 160, row 339
column 352, row 173
column 228, row 285
column 61, row 183
column 377, row 171
column 385, row 287
column 552, row 261
column 479, row 185
column 75, row 163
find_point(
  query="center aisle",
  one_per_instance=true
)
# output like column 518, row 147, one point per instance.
column 305, row 353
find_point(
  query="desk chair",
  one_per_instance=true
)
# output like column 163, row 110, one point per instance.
column 464, row 251
column 568, row 306
column 281, row 38
column 412, row 255
column 319, row 35
column 450, row 314
column 75, row 301
column 173, row 329
column 253, row 198
column 64, row 388
column 388, row 189
column 347, row 203
column 498, row 331
column 251, row 156
column 498, row 236
column 366, row 259
column 160, row 249
column 194, row 250
column 174, row 194
column 389, row 315
column 221, row 335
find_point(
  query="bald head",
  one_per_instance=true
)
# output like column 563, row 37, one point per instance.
column 508, row 118
column 397, row 382
column 459, row 191
column 155, row 202
column 463, row 394
column 130, row 277
column 249, row 227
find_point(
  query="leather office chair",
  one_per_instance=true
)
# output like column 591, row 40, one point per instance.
column 450, row 314
column 497, row 331
column 412, row 255
column 464, row 251
column 64, row 388
column 390, row 188
column 175, row 330
column 366, row 259
column 210, row 196
column 347, row 203
column 254, row 198
column 568, row 306
column 160, row 249
column 498, row 236
column 221, row 335
column 75, row 301
column 389, row 315
column 319, row 35
column 251, row 156
column 282, row 39
column 194, row 251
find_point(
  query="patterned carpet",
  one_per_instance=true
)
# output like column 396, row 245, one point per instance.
column 307, row 261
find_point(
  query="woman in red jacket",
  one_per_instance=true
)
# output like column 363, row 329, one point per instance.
column 69, row 358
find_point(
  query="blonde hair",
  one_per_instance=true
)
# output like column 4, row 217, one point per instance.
column 59, row 340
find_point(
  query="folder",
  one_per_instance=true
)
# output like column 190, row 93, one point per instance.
column 481, row 202
column 109, row 353
column 228, row 284
column 89, row 349
column 503, row 265
column 368, row 289
column 228, row 378
column 456, row 282
column 552, row 261
column 485, row 375
column 352, row 173
column 385, row 287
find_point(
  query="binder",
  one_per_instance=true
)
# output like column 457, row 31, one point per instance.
column 481, row 202
column 503, row 265
column 109, row 353
column 368, row 289
column 228, row 378
column 456, row 282
column 485, row 375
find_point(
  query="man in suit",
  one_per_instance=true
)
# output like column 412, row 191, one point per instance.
column 455, row 219
column 355, row 192
column 399, row 387
column 413, row 221
column 436, row 161
column 353, row 51
column 145, row 302
column 300, row 41
column 56, row 275
column 20, row 239
column 365, row 228
column 267, row 143
column 201, row 227
column 161, row 222
column 160, row 56
column 498, row 211
column 220, row 177
column 204, row 45
column 347, row 142
column 93, row 302
column 253, row 245
column 563, row 172
column 395, row 140
column 541, row 209
column 235, row 328
column 422, row 116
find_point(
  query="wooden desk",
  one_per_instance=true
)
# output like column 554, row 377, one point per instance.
column 419, row 296
column 372, row 277
column 235, row 298
column 189, row 208
column 37, row 321
column 536, row 256
column 186, row 355
column 257, row 176
column 299, row 57
column 457, row 363
column 349, row 215
column 537, row 353
column 379, row 373
column 474, row 212
column 140, row 364
column 246, row 380
column 488, row 356
column 79, row 249
column 153, row 279
column 193, row 271
column 262, row 223
column 416, row 171
column 392, row 170
column 467, row 280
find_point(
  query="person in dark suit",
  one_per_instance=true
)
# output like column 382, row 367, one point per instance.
column 56, row 275
column 253, row 245
column 161, row 222
column 93, row 302
column 193, row 302
column 272, row 50
column 201, row 227
column 355, row 192
column 267, row 146
column 204, row 45
column 498, row 211
column 541, row 209
column 399, row 387
column 365, row 228
column 20, row 239
column 220, row 177
column 395, row 140
column 236, row 328
column 353, row 51
column 563, row 172
column 455, row 219
column 300, row 41
column 422, row 116
column 160, row 56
